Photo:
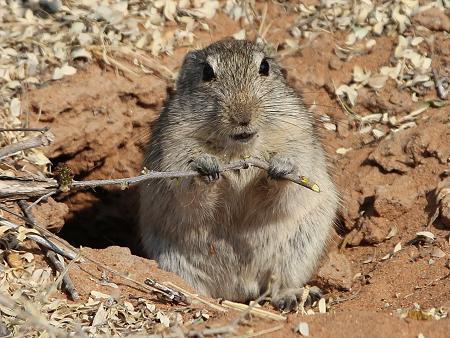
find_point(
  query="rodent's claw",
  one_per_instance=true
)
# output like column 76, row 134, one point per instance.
column 280, row 166
column 208, row 166
column 285, row 303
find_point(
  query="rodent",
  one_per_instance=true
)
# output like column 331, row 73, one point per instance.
column 228, row 234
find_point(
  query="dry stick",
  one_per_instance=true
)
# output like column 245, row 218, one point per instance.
column 43, row 197
column 131, row 280
column 171, row 294
column 194, row 296
column 66, row 281
column 34, row 142
column 255, row 311
column 42, row 130
column 232, row 326
column 250, row 307
column 40, row 239
column 67, row 284
column 62, row 276
column 215, row 331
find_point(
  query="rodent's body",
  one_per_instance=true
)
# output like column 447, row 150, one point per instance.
column 229, row 237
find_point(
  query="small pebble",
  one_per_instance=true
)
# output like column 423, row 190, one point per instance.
column 335, row 63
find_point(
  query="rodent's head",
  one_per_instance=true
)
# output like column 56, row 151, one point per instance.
column 234, row 91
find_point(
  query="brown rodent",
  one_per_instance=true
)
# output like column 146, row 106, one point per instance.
column 228, row 235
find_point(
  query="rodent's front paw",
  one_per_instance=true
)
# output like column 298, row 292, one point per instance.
column 280, row 166
column 207, row 166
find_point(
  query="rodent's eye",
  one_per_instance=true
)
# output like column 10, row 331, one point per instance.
column 264, row 67
column 208, row 72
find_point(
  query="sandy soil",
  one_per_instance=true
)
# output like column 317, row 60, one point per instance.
column 101, row 121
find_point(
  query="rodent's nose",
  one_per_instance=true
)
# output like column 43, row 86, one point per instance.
column 242, row 119
column 244, row 122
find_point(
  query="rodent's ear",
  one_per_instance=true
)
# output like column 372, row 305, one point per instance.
column 191, row 56
column 189, row 68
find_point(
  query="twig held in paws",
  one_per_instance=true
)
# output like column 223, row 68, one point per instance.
column 19, row 188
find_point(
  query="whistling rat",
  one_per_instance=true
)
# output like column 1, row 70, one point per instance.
column 228, row 235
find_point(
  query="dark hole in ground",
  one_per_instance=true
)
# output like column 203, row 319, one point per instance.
column 108, row 218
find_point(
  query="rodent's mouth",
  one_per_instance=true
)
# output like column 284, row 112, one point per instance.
column 243, row 137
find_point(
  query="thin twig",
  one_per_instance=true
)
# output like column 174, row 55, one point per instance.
column 168, row 292
column 67, row 284
column 194, row 296
column 254, row 311
column 34, row 142
column 250, row 307
column 63, row 276
column 43, row 197
column 42, row 130
column 243, row 164
column 214, row 331
column 45, row 242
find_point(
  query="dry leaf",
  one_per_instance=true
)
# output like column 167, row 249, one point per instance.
column 322, row 305
column 437, row 253
column 14, row 107
column 303, row 329
column 349, row 92
column 100, row 316
column 377, row 81
column 60, row 72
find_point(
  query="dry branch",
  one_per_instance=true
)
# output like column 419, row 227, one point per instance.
column 254, row 311
column 20, row 188
column 168, row 292
column 42, row 130
column 41, row 240
column 67, row 284
column 34, row 142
